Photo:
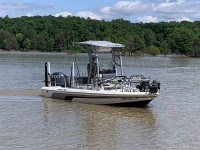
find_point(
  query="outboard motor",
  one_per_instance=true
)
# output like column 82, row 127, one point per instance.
column 154, row 87
column 59, row 79
column 144, row 85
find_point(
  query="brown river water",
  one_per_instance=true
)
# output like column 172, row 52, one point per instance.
column 29, row 121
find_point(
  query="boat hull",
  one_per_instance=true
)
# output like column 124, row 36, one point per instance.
column 100, row 97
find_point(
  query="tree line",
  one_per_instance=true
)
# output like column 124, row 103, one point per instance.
column 49, row 34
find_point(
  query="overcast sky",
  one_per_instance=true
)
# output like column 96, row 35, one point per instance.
column 133, row 10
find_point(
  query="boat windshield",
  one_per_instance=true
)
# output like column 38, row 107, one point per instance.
column 105, row 61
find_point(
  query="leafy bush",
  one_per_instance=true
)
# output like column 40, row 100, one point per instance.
column 139, row 53
column 153, row 50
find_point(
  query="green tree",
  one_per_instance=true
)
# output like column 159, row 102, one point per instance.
column 62, row 40
column 149, row 37
column 153, row 50
column 49, row 33
column 195, row 52
column 164, row 48
column 181, row 40
column 41, row 43
column 26, row 44
column 131, row 46
column 20, row 39
column 50, row 44
column 134, row 43
column 7, row 40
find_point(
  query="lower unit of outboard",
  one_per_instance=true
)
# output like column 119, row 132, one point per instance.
column 154, row 87
column 59, row 79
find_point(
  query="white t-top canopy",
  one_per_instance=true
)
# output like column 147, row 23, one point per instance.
column 101, row 44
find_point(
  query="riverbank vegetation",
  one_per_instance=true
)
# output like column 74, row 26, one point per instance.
column 49, row 33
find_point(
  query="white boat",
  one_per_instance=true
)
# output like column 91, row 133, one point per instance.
column 108, row 87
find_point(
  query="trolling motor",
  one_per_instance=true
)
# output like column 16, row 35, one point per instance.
column 154, row 87
column 145, row 86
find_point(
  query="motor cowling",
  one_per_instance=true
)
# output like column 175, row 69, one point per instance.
column 59, row 79
column 154, row 87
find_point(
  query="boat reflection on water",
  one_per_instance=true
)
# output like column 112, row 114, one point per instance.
column 93, row 126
